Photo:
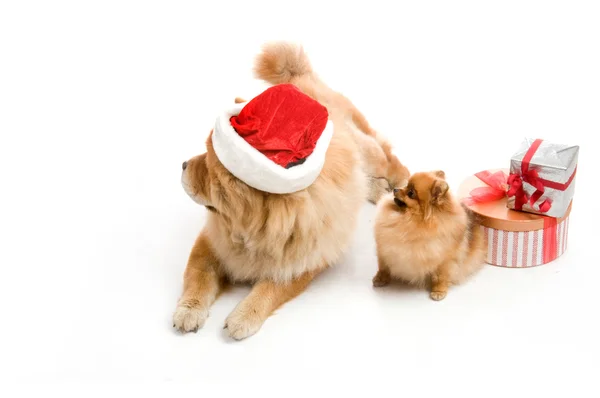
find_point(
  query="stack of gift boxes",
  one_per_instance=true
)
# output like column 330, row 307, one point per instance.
column 524, row 210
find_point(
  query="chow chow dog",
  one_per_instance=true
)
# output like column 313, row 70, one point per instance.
column 280, row 242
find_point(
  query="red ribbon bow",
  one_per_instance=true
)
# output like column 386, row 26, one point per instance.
column 495, row 190
column 515, row 182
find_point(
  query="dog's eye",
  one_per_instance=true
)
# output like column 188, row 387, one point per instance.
column 411, row 193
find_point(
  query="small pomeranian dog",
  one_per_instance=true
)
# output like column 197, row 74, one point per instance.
column 424, row 235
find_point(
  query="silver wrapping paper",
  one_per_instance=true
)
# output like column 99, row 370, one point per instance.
column 553, row 162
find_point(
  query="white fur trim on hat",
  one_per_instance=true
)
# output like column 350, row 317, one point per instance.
column 255, row 169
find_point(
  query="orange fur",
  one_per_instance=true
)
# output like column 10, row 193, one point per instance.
column 424, row 234
column 278, row 242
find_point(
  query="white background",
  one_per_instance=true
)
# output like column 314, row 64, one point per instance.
column 100, row 102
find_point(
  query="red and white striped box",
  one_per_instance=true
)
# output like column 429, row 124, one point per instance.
column 515, row 239
column 526, row 248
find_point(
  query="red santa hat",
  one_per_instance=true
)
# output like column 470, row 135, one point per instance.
column 276, row 142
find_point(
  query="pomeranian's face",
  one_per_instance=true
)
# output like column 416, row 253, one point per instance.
column 424, row 192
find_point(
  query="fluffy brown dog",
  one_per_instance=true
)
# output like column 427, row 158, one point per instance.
column 281, row 242
column 423, row 233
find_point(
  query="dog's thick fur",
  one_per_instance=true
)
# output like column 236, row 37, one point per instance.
column 280, row 242
column 423, row 234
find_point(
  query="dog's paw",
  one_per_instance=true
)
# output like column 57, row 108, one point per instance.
column 437, row 296
column 188, row 318
column 381, row 279
column 243, row 323
column 378, row 187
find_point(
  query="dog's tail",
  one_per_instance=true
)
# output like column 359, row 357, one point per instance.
column 282, row 62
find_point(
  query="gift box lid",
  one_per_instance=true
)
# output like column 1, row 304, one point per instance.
column 495, row 214
column 549, row 154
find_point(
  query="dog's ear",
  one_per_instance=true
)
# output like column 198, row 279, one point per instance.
column 440, row 174
column 239, row 100
column 439, row 190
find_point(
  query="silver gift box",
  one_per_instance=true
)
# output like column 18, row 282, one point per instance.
column 556, row 167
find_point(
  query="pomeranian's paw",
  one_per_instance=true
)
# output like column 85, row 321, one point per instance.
column 243, row 322
column 437, row 295
column 381, row 279
column 189, row 318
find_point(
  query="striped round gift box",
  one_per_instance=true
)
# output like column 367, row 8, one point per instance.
column 516, row 239
column 526, row 248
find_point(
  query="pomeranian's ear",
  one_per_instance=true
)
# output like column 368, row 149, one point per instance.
column 239, row 100
column 440, row 174
column 439, row 190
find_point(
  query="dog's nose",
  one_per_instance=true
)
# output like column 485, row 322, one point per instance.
column 184, row 165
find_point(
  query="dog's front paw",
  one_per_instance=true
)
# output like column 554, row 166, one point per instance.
column 242, row 323
column 189, row 318
column 378, row 187
column 382, row 278
column 437, row 296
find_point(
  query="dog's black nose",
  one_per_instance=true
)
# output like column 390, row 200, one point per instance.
column 184, row 165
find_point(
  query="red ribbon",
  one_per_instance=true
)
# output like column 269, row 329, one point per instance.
column 549, row 239
column 495, row 190
column 531, row 176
